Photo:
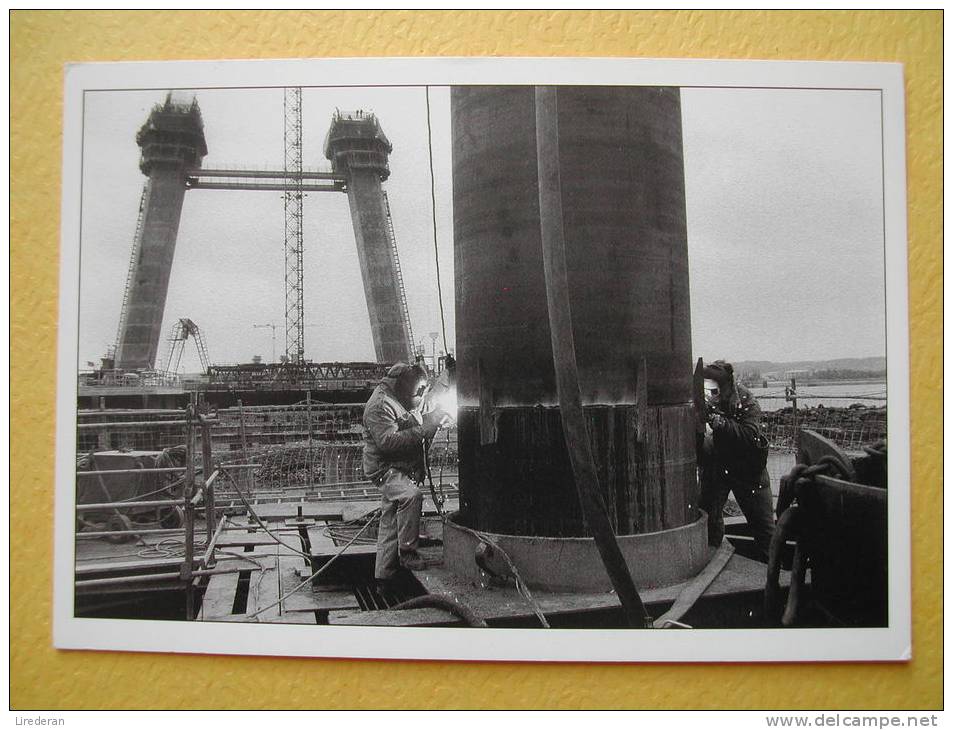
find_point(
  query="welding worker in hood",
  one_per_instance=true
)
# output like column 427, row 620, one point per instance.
column 733, row 457
column 394, row 435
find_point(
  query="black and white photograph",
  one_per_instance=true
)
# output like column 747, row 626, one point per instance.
column 600, row 357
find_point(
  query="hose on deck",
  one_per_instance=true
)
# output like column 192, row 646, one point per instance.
column 435, row 600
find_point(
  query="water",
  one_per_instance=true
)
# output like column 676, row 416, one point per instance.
column 870, row 393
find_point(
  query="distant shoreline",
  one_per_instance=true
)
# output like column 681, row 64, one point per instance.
column 807, row 383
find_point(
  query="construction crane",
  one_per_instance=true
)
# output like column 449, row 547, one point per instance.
column 294, row 229
column 271, row 326
column 181, row 331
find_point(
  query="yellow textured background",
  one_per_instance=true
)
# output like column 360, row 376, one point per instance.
column 42, row 41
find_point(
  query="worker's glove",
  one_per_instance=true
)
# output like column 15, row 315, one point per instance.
column 432, row 421
column 716, row 421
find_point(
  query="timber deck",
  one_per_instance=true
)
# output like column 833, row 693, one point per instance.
column 261, row 571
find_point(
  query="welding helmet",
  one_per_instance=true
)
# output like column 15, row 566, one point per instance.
column 723, row 375
column 411, row 386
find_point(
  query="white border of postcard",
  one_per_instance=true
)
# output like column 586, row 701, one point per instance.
column 892, row 643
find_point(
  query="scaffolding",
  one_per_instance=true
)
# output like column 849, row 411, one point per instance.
column 398, row 275
column 308, row 450
column 133, row 264
column 161, row 497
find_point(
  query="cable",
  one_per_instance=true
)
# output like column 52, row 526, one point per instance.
column 278, row 540
column 166, row 488
column 341, row 531
column 241, row 557
column 169, row 547
column 448, row 603
column 320, row 570
column 446, row 450
column 437, row 501
column 338, row 535
column 521, row 587
column 433, row 210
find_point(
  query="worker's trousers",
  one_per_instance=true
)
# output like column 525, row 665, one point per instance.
column 399, row 530
column 755, row 501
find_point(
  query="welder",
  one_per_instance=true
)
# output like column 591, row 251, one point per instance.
column 733, row 457
column 394, row 432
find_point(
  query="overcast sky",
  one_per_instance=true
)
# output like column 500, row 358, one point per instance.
column 784, row 204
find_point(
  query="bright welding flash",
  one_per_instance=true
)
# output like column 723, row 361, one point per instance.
column 448, row 401
column 444, row 398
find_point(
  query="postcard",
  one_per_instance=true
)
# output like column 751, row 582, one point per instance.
column 484, row 359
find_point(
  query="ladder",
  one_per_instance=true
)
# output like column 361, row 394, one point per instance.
column 405, row 312
column 130, row 275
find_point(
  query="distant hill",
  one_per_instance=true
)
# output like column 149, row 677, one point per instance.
column 872, row 364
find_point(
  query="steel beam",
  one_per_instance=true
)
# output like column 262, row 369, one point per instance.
column 266, row 174
column 194, row 184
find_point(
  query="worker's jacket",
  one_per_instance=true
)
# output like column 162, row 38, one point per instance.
column 740, row 448
column 393, row 438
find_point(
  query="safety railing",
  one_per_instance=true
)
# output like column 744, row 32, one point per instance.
column 124, row 379
column 849, row 428
column 191, row 495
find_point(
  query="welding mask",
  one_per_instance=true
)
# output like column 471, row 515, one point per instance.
column 411, row 387
column 721, row 373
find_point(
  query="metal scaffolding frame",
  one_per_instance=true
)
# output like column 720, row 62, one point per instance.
column 294, row 228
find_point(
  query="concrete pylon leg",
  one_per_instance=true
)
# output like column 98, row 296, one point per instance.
column 149, row 283
column 377, row 267
column 172, row 141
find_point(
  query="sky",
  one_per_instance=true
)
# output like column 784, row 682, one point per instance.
column 784, row 212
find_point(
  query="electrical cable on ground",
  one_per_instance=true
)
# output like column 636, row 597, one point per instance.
column 446, row 603
column 239, row 556
column 320, row 570
column 521, row 586
column 251, row 511
column 169, row 547
column 341, row 531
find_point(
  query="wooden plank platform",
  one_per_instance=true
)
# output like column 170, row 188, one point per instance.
column 219, row 597
column 257, row 537
column 263, row 585
column 296, row 618
column 278, row 569
column 91, row 551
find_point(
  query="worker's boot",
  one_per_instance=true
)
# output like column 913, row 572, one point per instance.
column 412, row 561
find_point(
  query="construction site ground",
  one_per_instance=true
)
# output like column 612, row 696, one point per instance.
column 261, row 570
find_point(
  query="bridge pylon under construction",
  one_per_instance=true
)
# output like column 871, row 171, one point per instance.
column 172, row 141
column 173, row 146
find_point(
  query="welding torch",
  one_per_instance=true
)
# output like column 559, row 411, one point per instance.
column 441, row 395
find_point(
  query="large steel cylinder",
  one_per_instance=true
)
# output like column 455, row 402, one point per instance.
column 623, row 199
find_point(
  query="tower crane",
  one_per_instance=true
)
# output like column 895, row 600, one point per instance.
column 294, row 229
